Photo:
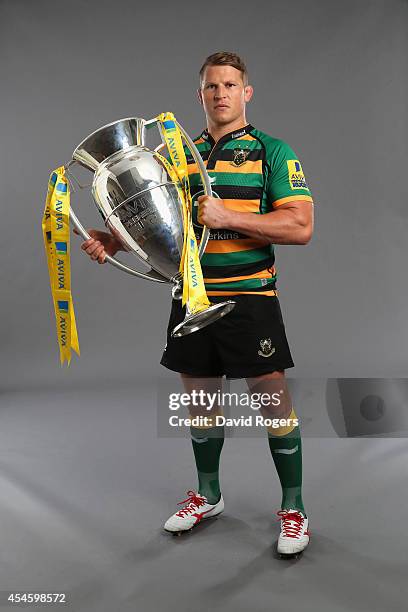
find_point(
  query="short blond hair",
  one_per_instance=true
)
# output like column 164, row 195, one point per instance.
column 225, row 58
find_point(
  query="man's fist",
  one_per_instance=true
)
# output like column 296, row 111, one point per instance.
column 99, row 245
column 212, row 212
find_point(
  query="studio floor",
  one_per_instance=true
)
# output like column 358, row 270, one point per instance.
column 87, row 483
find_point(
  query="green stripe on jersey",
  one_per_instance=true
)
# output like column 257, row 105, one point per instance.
column 251, row 283
column 237, row 257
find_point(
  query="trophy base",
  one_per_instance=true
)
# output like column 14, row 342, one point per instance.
column 194, row 322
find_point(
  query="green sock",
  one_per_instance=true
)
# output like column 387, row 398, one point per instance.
column 207, row 446
column 287, row 456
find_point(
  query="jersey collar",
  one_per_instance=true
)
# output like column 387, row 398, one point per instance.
column 205, row 135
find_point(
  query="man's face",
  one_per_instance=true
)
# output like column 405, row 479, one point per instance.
column 223, row 94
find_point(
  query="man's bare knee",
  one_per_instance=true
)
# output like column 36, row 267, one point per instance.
column 274, row 386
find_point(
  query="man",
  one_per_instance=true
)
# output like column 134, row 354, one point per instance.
column 262, row 200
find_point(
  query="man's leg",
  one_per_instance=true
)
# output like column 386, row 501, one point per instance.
column 207, row 443
column 194, row 356
column 207, row 440
column 284, row 442
column 286, row 448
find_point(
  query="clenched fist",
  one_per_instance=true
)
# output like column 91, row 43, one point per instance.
column 100, row 244
column 212, row 212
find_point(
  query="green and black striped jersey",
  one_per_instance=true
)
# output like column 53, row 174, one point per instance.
column 251, row 172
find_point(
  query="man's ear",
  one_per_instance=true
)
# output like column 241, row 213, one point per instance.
column 249, row 91
column 200, row 96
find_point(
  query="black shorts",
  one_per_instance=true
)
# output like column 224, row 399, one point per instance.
column 248, row 341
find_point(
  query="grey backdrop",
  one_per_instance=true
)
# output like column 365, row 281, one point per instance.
column 329, row 78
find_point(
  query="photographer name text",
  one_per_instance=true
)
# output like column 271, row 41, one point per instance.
column 251, row 420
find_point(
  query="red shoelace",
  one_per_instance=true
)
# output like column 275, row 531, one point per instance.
column 292, row 523
column 194, row 501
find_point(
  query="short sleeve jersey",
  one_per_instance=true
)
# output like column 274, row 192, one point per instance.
column 251, row 172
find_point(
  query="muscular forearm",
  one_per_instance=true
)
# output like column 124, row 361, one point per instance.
column 278, row 226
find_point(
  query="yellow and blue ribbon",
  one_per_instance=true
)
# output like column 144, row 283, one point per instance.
column 56, row 234
column 193, row 282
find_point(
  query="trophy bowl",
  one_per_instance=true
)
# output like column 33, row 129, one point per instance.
column 141, row 206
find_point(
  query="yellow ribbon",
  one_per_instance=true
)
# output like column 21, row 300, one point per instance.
column 194, row 293
column 55, row 226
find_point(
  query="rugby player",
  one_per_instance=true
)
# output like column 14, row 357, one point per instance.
column 260, row 199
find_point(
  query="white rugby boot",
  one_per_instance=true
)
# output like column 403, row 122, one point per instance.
column 294, row 535
column 196, row 509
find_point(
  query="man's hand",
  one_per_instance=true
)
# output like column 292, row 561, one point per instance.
column 212, row 212
column 99, row 245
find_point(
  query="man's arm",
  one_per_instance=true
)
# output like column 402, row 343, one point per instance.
column 290, row 223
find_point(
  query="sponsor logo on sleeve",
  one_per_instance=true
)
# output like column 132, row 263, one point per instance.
column 295, row 174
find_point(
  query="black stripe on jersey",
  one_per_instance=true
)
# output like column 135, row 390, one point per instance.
column 237, row 269
column 233, row 192
column 204, row 154
column 228, row 154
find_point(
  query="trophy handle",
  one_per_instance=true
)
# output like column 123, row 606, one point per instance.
column 152, row 275
column 206, row 184
column 203, row 173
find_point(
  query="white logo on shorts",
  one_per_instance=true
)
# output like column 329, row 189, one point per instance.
column 266, row 348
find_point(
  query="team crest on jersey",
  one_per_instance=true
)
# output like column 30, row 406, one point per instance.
column 296, row 177
column 239, row 157
column 266, row 348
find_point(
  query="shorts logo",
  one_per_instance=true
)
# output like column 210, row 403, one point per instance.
column 295, row 174
column 239, row 157
column 266, row 348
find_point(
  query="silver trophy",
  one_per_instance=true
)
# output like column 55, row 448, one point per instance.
column 141, row 206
